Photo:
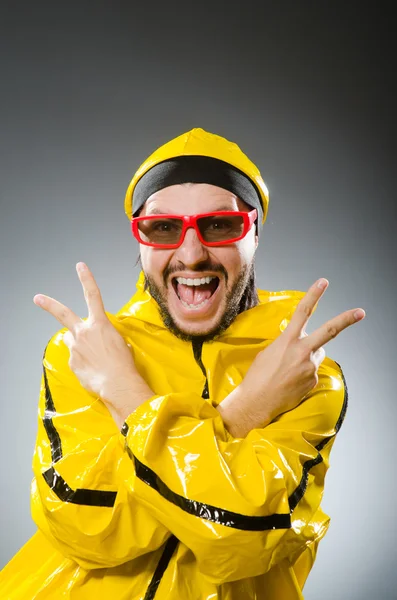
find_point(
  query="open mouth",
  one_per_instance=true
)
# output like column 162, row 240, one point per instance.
column 196, row 292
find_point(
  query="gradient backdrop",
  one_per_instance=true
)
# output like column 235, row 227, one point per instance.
column 307, row 90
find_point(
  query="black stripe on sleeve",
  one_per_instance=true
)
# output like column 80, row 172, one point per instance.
column 229, row 518
column 208, row 511
column 79, row 496
column 54, row 480
column 53, row 435
column 300, row 490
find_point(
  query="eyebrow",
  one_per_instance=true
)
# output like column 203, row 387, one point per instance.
column 157, row 211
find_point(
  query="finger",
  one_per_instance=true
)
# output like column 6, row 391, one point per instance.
column 305, row 308
column 332, row 328
column 318, row 356
column 92, row 294
column 68, row 339
column 62, row 313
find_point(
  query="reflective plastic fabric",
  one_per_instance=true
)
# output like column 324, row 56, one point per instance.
column 173, row 507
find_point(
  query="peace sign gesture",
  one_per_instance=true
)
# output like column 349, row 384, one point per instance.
column 325, row 333
column 99, row 355
column 285, row 371
column 65, row 315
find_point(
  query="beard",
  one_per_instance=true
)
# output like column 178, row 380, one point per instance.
column 242, row 296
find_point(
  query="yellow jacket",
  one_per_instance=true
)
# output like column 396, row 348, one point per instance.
column 173, row 507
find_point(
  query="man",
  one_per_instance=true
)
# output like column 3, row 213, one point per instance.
column 183, row 443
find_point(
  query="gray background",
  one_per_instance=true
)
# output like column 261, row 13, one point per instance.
column 307, row 89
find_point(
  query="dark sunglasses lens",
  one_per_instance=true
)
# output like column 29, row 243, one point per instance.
column 221, row 228
column 160, row 231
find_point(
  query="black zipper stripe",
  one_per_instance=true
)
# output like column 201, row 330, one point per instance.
column 173, row 541
column 53, row 479
column 163, row 563
column 197, row 346
column 205, row 393
column 300, row 490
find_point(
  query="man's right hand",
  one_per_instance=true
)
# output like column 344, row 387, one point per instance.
column 284, row 372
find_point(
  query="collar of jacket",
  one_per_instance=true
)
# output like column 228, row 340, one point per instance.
column 264, row 321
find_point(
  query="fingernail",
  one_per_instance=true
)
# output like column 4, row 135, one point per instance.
column 359, row 314
column 322, row 283
column 38, row 300
column 81, row 266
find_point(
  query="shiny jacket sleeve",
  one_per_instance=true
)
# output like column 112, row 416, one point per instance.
column 241, row 505
column 79, row 497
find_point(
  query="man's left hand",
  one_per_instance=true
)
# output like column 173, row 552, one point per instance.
column 99, row 355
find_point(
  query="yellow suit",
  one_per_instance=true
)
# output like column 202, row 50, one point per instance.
column 173, row 507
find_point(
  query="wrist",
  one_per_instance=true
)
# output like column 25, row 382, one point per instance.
column 121, row 388
column 242, row 411
column 124, row 397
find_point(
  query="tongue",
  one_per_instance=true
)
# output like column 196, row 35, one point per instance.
column 195, row 294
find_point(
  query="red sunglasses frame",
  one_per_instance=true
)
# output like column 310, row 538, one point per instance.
column 191, row 221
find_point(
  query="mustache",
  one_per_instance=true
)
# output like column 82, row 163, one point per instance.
column 199, row 268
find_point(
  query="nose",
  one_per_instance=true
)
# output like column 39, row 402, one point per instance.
column 191, row 251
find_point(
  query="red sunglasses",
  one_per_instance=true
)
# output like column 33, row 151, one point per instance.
column 213, row 228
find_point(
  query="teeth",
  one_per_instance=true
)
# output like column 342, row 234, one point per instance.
column 195, row 306
column 196, row 281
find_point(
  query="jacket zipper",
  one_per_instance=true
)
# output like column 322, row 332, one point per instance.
column 172, row 542
column 165, row 558
column 197, row 351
